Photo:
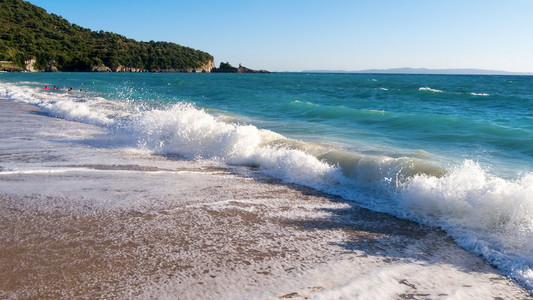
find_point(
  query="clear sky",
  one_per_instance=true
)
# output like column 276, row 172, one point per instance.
column 295, row 35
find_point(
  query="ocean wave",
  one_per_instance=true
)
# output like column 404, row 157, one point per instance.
column 306, row 103
column 486, row 214
column 312, row 110
column 190, row 132
column 430, row 90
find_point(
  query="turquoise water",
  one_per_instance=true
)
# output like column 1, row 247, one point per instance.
column 487, row 119
column 454, row 152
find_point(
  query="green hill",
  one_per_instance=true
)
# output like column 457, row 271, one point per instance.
column 28, row 32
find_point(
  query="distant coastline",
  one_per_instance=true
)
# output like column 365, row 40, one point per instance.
column 424, row 71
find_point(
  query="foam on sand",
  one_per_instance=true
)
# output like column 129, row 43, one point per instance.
column 98, row 221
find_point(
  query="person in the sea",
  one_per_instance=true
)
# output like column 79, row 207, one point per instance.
column 69, row 89
column 46, row 88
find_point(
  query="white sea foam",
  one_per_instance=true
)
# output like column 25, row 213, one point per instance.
column 480, row 94
column 306, row 103
column 63, row 105
column 430, row 90
column 487, row 215
column 185, row 130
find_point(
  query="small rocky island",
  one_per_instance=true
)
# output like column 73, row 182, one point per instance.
column 227, row 68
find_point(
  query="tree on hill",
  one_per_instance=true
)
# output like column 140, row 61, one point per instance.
column 28, row 31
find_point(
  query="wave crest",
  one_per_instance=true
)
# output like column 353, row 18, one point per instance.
column 487, row 215
column 428, row 89
column 190, row 132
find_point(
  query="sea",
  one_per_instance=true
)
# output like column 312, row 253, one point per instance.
column 453, row 152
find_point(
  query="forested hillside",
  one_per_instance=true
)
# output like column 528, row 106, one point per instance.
column 29, row 32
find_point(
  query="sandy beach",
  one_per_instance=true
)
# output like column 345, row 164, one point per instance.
column 80, row 219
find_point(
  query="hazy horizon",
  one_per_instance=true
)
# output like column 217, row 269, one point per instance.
column 313, row 35
column 409, row 70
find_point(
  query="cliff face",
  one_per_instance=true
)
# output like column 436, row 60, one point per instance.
column 8, row 66
column 30, row 65
column 206, row 68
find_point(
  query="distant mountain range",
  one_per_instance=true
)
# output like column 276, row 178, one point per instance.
column 424, row 71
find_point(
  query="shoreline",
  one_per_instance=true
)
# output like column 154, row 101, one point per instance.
column 82, row 219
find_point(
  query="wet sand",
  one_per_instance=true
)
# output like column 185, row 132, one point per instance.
column 81, row 219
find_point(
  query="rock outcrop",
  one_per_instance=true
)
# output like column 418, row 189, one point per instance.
column 228, row 68
column 30, row 65
column 51, row 67
column 206, row 68
column 242, row 69
column 9, row 66
column 127, row 69
column 101, row 69
column 225, row 68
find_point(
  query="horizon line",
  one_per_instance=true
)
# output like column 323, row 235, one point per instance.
column 424, row 71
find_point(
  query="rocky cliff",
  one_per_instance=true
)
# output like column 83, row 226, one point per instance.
column 205, row 68
column 8, row 66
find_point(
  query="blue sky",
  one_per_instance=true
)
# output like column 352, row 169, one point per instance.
column 295, row 35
